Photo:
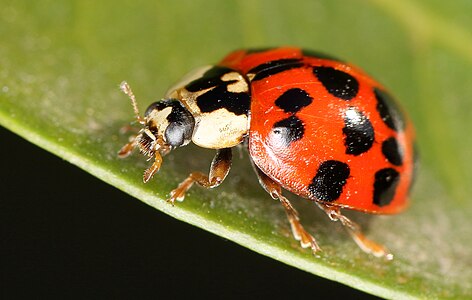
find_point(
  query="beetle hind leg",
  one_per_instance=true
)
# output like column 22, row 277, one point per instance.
column 355, row 231
column 219, row 168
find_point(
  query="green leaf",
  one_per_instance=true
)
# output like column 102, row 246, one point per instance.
column 61, row 64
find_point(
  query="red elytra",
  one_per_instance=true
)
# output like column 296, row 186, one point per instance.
column 294, row 167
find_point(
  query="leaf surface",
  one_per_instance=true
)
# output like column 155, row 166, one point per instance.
column 61, row 64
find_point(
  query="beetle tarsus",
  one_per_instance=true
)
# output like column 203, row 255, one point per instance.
column 355, row 232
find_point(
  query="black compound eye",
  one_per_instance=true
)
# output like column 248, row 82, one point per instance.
column 181, row 122
column 176, row 134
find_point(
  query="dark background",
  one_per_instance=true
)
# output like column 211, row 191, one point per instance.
column 66, row 234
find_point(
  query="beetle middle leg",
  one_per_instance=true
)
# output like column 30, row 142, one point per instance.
column 275, row 191
column 219, row 168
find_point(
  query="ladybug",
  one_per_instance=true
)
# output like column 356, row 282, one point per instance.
column 314, row 125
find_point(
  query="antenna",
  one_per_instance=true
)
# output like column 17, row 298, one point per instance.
column 125, row 88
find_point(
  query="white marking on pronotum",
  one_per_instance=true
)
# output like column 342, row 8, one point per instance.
column 219, row 129
column 240, row 86
column 250, row 76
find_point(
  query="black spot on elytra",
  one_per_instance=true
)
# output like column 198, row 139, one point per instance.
column 358, row 132
column 293, row 100
column 274, row 67
column 218, row 96
column 392, row 151
column 337, row 83
column 287, row 131
column 316, row 54
column 385, row 186
column 388, row 110
column 328, row 183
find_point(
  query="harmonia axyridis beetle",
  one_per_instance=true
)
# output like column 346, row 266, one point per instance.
column 314, row 125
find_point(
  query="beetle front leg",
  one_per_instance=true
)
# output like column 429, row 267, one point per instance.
column 219, row 168
column 126, row 150
column 156, row 165
column 354, row 230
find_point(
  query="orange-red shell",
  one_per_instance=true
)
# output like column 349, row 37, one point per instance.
column 295, row 166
